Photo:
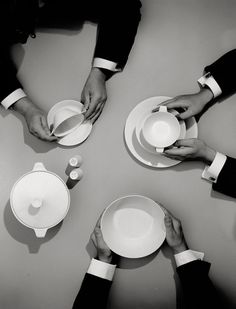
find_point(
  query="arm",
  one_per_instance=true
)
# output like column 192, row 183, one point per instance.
column 97, row 282
column 198, row 289
column 223, row 71
column 225, row 181
column 218, row 81
column 199, row 292
column 118, row 23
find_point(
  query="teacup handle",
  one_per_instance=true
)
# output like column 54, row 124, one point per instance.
column 159, row 150
column 163, row 108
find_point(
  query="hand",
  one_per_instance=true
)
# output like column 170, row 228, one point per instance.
column 94, row 94
column 192, row 104
column 104, row 253
column 35, row 119
column 174, row 233
column 192, row 148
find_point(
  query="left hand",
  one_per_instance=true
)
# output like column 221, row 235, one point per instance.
column 191, row 148
column 94, row 94
column 104, row 253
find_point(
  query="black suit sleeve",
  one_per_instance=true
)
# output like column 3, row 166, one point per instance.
column 223, row 71
column 8, row 79
column 225, row 182
column 117, row 30
column 93, row 293
column 199, row 292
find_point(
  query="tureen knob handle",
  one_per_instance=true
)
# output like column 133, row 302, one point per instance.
column 38, row 166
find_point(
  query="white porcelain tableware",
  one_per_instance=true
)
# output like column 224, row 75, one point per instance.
column 40, row 199
column 161, row 129
column 81, row 133
column 142, row 141
column 65, row 121
column 133, row 226
column 136, row 115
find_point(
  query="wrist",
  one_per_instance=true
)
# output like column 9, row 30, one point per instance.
column 24, row 106
column 209, row 155
column 205, row 96
column 98, row 73
column 105, row 258
column 180, row 248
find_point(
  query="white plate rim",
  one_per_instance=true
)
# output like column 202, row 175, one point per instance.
column 111, row 205
column 129, row 131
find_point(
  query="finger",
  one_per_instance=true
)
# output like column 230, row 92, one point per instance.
column 168, row 224
column 85, row 99
column 95, row 118
column 50, row 137
column 177, row 104
column 185, row 115
column 96, row 111
column 187, row 142
column 92, row 107
column 182, row 152
column 99, row 238
column 40, row 133
column 94, row 241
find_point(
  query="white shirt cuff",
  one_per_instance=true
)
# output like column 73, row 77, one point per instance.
column 105, row 64
column 188, row 256
column 208, row 80
column 212, row 172
column 13, row 97
column 101, row 269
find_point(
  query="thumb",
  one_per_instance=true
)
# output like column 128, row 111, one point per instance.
column 85, row 99
column 186, row 114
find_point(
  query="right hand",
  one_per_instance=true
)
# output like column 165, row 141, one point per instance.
column 191, row 149
column 35, row 119
column 174, row 233
column 192, row 104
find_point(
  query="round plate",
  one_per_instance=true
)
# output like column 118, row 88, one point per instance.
column 78, row 135
column 133, row 226
column 141, row 139
column 142, row 155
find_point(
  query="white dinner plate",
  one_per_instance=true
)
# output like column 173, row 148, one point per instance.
column 78, row 135
column 141, row 139
column 136, row 149
column 133, row 226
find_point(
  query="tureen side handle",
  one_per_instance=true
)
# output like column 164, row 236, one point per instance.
column 38, row 166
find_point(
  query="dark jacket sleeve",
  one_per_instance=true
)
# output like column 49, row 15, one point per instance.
column 199, row 292
column 117, row 30
column 225, row 182
column 93, row 293
column 8, row 79
column 223, row 71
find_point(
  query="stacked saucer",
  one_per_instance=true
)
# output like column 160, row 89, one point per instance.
column 66, row 120
column 147, row 133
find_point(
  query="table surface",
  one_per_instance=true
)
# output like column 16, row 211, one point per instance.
column 176, row 39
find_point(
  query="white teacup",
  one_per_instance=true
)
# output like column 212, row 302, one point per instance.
column 65, row 121
column 161, row 129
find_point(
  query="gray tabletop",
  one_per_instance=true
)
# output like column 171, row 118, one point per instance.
column 176, row 39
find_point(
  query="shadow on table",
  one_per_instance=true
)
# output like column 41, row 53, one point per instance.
column 33, row 142
column 24, row 234
column 218, row 195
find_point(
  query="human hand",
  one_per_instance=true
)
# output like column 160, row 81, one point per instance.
column 192, row 148
column 174, row 233
column 104, row 253
column 192, row 104
column 94, row 94
column 35, row 119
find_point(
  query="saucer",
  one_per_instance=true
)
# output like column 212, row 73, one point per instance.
column 135, row 148
column 141, row 139
column 133, row 226
column 79, row 134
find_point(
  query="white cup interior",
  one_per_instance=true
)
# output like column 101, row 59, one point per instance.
column 161, row 129
column 65, row 121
